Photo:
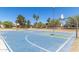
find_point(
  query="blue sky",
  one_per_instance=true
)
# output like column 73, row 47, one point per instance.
column 10, row 13
column 66, row 11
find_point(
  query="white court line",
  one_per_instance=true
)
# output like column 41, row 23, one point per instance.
column 6, row 43
column 64, row 44
column 36, row 45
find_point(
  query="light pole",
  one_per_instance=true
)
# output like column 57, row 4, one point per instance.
column 62, row 18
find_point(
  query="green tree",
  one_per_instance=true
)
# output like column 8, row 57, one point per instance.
column 28, row 23
column 21, row 21
column 34, row 25
column 72, row 22
column 7, row 24
column 54, row 23
column 0, row 22
column 39, row 25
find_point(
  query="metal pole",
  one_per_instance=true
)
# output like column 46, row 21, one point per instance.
column 76, row 28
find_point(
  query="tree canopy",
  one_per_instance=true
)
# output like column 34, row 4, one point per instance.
column 21, row 21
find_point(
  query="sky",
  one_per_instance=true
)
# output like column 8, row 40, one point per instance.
column 8, row 13
column 66, row 11
column 11, row 13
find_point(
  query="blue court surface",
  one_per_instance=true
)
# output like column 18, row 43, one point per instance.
column 37, row 41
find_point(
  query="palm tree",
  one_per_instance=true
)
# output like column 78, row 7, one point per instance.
column 48, row 22
column 21, row 21
column 36, row 17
